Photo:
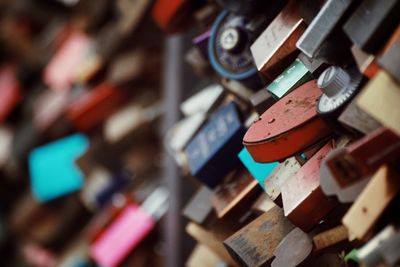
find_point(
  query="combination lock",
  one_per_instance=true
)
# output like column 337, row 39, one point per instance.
column 338, row 86
column 229, row 47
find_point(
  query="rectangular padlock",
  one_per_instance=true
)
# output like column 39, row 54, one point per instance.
column 275, row 48
column 291, row 78
column 61, row 71
column 371, row 203
column 372, row 23
column 367, row 63
column 382, row 104
column 49, row 225
column 238, row 89
column 285, row 171
column 293, row 250
column 254, row 245
column 199, row 206
column 304, row 202
column 389, row 61
column 119, row 238
column 181, row 134
column 46, row 161
column 234, row 194
column 259, row 171
column 219, row 139
column 176, row 16
column 357, row 120
column 363, row 157
column 214, row 231
column 131, row 120
column 10, row 91
column 389, row 249
column 94, row 106
column 329, row 18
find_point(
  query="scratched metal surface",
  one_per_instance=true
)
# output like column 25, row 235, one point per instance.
column 302, row 194
column 290, row 112
column 288, row 127
column 255, row 244
column 278, row 41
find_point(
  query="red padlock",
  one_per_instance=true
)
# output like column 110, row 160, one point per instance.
column 91, row 109
column 288, row 127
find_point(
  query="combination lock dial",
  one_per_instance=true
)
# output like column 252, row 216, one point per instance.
column 229, row 46
column 338, row 86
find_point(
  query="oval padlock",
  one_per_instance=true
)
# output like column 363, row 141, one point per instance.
column 288, row 127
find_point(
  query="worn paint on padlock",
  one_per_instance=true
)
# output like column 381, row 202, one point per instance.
column 288, row 127
column 278, row 177
column 304, row 202
column 364, row 157
column 254, row 245
column 275, row 48
column 372, row 202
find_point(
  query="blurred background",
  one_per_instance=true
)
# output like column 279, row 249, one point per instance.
column 88, row 92
column 122, row 132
